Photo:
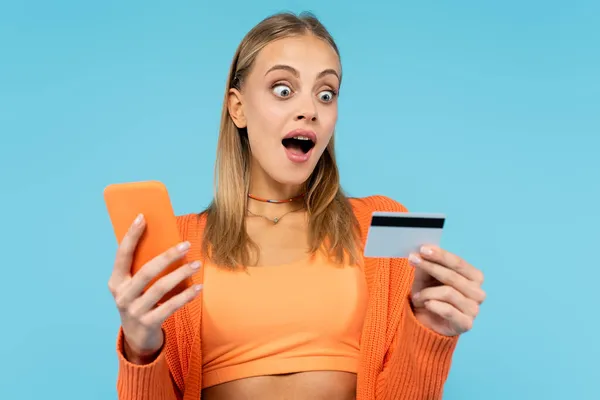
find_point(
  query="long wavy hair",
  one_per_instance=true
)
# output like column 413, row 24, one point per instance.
column 332, row 224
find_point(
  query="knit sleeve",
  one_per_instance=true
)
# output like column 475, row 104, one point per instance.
column 417, row 363
column 155, row 381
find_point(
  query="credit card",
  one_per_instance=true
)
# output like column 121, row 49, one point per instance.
column 397, row 234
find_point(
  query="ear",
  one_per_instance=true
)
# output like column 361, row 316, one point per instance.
column 236, row 108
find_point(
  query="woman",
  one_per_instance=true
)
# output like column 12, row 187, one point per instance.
column 284, row 305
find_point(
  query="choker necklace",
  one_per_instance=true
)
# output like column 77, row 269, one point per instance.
column 276, row 201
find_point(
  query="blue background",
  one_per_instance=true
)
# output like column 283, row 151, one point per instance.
column 487, row 112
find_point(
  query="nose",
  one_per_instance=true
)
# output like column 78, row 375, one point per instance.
column 307, row 110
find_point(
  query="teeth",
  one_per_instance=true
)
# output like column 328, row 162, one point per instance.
column 301, row 138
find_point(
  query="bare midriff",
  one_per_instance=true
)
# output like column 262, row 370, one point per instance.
column 310, row 385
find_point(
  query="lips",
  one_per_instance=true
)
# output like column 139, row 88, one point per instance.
column 302, row 132
column 299, row 144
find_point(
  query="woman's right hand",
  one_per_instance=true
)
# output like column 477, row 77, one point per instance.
column 141, row 320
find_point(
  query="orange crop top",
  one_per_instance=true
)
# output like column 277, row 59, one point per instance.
column 269, row 320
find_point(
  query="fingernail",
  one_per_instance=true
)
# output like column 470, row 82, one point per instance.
column 426, row 250
column 138, row 220
column 414, row 259
column 183, row 246
column 198, row 288
column 416, row 296
column 195, row 265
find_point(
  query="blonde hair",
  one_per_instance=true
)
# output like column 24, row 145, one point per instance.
column 331, row 220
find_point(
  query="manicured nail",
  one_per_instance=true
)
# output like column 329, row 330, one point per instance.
column 195, row 265
column 426, row 250
column 414, row 259
column 183, row 246
column 138, row 220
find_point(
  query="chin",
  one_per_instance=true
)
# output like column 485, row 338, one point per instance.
column 292, row 175
column 289, row 170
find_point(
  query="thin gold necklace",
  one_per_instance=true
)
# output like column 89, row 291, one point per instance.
column 276, row 219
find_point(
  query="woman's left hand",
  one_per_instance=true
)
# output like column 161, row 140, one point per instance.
column 446, row 292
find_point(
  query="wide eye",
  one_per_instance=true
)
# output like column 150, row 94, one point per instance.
column 326, row 96
column 282, row 90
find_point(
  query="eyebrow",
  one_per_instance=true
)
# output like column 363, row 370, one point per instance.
column 293, row 71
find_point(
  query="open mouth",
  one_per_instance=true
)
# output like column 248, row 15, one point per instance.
column 298, row 144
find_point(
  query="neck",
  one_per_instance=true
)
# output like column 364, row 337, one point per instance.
column 265, row 188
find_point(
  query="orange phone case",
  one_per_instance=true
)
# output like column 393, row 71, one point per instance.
column 124, row 201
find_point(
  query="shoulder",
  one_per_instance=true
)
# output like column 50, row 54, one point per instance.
column 363, row 208
column 191, row 225
column 362, row 205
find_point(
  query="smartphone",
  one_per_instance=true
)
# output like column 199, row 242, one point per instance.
column 124, row 201
column 397, row 234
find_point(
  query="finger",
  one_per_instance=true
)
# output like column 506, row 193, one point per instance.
column 449, row 277
column 125, row 251
column 164, row 285
column 157, row 316
column 452, row 261
column 149, row 271
column 448, row 295
column 458, row 321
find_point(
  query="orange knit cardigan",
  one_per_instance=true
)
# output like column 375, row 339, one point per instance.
column 400, row 358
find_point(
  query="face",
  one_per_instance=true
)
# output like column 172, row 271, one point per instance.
column 288, row 103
